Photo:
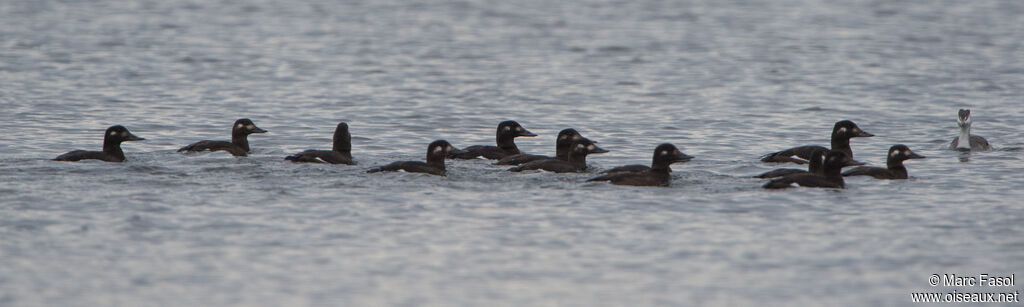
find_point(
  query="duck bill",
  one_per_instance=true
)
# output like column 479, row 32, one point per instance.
column 598, row 150
column 914, row 155
column 851, row 162
column 132, row 137
column 526, row 133
column 258, row 130
column 681, row 157
column 864, row 134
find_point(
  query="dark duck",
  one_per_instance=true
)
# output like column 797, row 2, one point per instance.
column 112, row 139
column 436, row 152
column 966, row 141
column 239, row 144
column 562, row 145
column 576, row 162
column 842, row 132
column 505, row 137
column 894, row 165
column 829, row 178
column 814, row 166
column 656, row 175
column 634, row 168
column 341, row 153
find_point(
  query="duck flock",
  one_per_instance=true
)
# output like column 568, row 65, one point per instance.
column 571, row 149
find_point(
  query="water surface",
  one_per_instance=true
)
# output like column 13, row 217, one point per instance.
column 726, row 81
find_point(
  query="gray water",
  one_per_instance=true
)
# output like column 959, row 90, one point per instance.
column 726, row 81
